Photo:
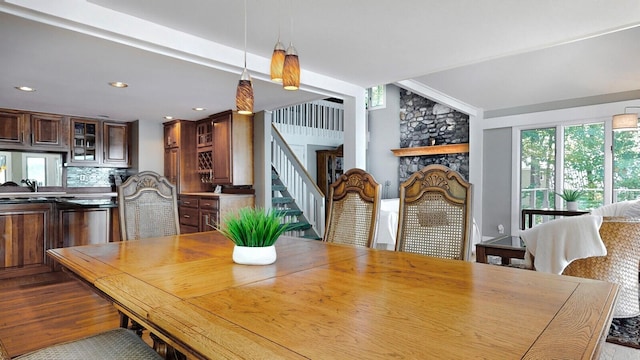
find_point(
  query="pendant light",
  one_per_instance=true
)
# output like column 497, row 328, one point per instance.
column 277, row 59
column 277, row 62
column 626, row 121
column 244, row 92
column 291, row 69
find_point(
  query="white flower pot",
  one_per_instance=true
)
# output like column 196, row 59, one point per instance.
column 246, row 255
column 572, row 205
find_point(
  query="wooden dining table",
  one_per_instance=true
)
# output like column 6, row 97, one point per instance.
column 330, row 301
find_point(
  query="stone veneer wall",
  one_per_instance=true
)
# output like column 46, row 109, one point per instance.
column 421, row 120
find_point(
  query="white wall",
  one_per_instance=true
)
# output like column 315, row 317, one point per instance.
column 149, row 137
column 384, row 135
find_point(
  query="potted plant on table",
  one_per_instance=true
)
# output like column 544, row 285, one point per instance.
column 254, row 232
column 571, row 197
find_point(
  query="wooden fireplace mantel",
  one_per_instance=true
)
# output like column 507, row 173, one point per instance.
column 432, row 150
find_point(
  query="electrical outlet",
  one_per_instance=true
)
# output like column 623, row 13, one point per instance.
column 500, row 229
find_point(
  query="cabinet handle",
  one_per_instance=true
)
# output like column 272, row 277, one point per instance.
column 186, row 216
column 32, row 137
column 186, row 202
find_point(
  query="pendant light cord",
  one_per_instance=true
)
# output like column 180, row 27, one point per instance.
column 245, row 34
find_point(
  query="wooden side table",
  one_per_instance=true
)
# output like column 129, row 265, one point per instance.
column 526, row 218
column 506, row 247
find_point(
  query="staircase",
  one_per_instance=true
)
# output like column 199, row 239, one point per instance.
column 293, row 190
column 282, row 200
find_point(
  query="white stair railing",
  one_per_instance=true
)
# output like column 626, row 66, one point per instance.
column 300, row 185
column 319, row 119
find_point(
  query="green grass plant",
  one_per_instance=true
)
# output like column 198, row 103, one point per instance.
column 571, row 195
column 254, row 227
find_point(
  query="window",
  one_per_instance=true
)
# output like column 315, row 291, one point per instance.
column 584, row 163
column 583, row 160
column 626, row 167
column 580, row 157
column 376, row 97
column 537, row 168
column 3, row 168
column 36, row 169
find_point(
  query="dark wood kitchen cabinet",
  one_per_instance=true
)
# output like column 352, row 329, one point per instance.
column 33, row 131
column 180, row 156
column 26, row 230
column 100, row 143
column 87, row 226
column 225, row 149
column 85, row 135
column 199, row 211
column 115, row 144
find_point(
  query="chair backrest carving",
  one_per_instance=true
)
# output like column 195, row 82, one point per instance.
column 354, row 209
column 435, row 214
column 147, row 205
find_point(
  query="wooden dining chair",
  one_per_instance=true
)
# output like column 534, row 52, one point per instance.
column 147, row 205
column 435, row 214
column 621, row 237
column 117, row 344
column 354, row 209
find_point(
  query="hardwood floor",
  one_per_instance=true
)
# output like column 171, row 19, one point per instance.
column 45, row 309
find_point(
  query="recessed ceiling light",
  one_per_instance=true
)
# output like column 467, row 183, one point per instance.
column 168, row 117
column 199, row 109
column 118, row 84
column 25, row 88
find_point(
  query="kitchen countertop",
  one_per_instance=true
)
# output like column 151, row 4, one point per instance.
column 212, row 194
column 64, row 199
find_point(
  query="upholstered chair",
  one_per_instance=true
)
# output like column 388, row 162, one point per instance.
column 435, row 214
column 354, row 209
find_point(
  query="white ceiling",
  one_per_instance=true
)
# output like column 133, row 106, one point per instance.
column 497, row 55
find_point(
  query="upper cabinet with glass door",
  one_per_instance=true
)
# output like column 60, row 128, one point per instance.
column 84, row 146
column 26, row 131
column 103, row 143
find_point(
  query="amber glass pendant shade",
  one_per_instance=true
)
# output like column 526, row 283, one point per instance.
column 244, row 94
column 291, row 70
column 277, row 62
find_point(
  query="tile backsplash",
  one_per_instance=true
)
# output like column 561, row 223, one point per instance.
column 92, row 177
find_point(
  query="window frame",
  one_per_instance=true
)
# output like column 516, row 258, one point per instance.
column 383, row 97
column 517, row 153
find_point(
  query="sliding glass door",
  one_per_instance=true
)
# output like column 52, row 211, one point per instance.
column 626, row 165
column 575, row 157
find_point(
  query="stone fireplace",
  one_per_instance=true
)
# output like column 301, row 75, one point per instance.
column 426, row 123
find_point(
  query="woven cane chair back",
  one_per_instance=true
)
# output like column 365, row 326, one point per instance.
column 354, row 209
column 434, row 218
column 621, row 237
column 147, row 205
